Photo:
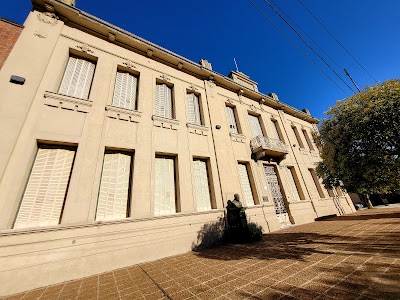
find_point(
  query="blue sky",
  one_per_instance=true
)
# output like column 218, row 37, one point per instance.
column 220, row 30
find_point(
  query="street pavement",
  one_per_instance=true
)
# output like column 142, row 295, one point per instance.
column 356, row 256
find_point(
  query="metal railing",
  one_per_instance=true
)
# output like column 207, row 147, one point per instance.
column 267, row 143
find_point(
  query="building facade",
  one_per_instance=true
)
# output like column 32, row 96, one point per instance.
column 116, row 151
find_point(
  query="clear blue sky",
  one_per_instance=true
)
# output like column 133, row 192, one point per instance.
column 220, row 30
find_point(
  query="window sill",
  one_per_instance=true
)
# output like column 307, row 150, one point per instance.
column 123, row 114
column 197, row 129
column 237, row 137
column 67, row 102
column 165, row 122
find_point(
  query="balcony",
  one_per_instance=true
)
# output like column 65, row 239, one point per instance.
column 266, row 148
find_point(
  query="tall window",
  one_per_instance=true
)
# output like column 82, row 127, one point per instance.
column 125, row 91
column 230, row 115
column 46, row 189
column 77, row 78
column 255, row 125
column 164, row 196
column 164, row 101
column 245, row 183
column 193, row 108
column 310, row 145
column 277, row 131
column 201, row 185
column 294, row 184
column 113, row 202
column 316, row 182
column 296, row 134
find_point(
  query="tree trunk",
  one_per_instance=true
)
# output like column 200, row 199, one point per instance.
column 369, row 204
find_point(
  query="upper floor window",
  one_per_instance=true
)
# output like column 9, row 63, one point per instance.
column 164, row 101
column 193, row 108
column 77, row 78
column 296, row 134
column 277, row 131
column 255, row 125
column 231, row 117
column 309, row 143
column 125, row 91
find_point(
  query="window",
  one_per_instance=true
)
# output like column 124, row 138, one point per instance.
column 163, row 101
column 294, row 184
column 201, row 185
column 193, row 108
column 296, row 134
column 77, row 78
column 230, row 115
column 164, row 196
column 310, row 146
column 245, row 183
column 46, row 189
column 277, row 130
column 113, row 202
column 125, row 91
column 255, row 125
column 316, row 182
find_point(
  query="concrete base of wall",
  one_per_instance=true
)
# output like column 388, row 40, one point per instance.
column 302, row 212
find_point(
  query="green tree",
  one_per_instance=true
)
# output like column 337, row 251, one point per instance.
column 360, row 142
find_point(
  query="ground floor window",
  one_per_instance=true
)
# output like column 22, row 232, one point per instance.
column 165, row 194
column 245, row 183
column 201, row 185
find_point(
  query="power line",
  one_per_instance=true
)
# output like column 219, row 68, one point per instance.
column 307, row 44
column 326, row 29
column 295, row 45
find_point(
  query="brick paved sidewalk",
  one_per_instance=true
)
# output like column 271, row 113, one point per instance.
column 350, row 257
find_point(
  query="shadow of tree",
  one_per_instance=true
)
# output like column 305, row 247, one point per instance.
column 216, row 234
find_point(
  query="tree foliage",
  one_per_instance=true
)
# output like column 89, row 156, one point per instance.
column 360, row 141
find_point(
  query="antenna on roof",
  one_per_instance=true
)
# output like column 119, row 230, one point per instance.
column 237, row 69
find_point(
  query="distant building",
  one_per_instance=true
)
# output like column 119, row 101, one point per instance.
column 9, row 33
column 116, row 151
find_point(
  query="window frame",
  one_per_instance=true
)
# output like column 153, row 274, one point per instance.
column 133, row 73
column 173, row 111
column 201, row 118
column 235, row 118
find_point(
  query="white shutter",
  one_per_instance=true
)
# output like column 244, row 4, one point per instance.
column 160, row 102
column 202, row 190
column 125, row 91
column 292, row 184
column 255, row 125
column 77, row 78
column 44, row 195
column 193, row 109
column 275, row 130
column 114, row 187
column 164, row 195
column 168, row 102
column 245, row 183
column 230, row 115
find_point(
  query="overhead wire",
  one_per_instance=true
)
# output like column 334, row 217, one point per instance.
column 307, row 44
column 295, row 45
column 344, row 48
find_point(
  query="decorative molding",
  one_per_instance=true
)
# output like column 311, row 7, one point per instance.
column 253, row 108
column 111, row 36
column 149, row 53
column 164, row 77
column 229, row 100
column 197, row 129
column 303, row 151
column 129, row 64
column 67, row 102
column 41, row 33
column 237, row 137
column 240, row 92
column 85, row 48
column 180, row 66
column 192, row 87
column 123, row 114
column 49, row 8
column 165, row 122
column 48, row 18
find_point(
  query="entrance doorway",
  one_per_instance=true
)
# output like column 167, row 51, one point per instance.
column 277, row 197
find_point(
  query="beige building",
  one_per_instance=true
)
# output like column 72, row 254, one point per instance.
column 116, row 151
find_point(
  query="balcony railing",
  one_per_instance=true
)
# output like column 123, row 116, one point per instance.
column 266, row 148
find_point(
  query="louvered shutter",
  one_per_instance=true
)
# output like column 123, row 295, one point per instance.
column 114, row 187
column 77, row 78
column 193, row 108
column 275, row 130
column 168, row 102
column 163, row 101
column 164, row 195
column 125, row 91
column 245, row 183
column 44, row 195
column 202, row 190
column 255, row 125
column 292, row 184
column 230, row 115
